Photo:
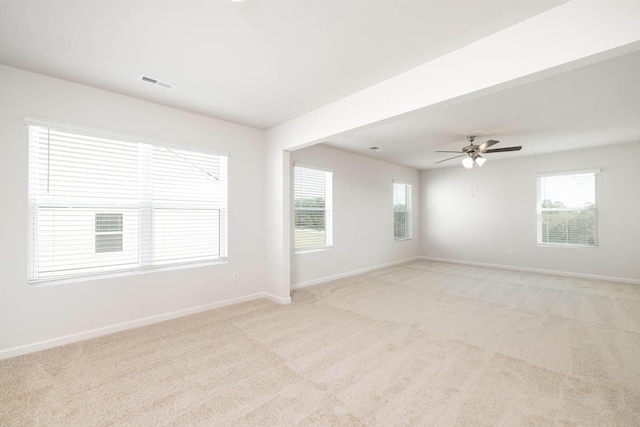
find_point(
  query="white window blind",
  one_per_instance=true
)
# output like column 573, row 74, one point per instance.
column 100, row 205
column 313, row 225
column 401, row 210
column 568, row 209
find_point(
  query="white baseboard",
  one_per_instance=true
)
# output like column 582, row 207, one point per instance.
column 93, row 333
column 349, row 273
column 278, row 300
column 535, row 270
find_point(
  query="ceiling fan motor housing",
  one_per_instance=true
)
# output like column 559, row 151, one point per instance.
column 470, row 149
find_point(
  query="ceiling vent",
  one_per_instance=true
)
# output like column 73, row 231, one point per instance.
column 156, row 82
column 374, row 148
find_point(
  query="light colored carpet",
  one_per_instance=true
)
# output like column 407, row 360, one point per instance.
column 423, row 343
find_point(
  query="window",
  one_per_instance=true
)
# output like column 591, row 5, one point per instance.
column 99, row 205
column 108, row 232
column 568, row 209
column 312, row 194
column 401, row 210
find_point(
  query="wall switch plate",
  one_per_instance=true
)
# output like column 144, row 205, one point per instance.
column 236, row 276
column 510, row 252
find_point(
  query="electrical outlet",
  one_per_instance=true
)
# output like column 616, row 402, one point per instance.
column 510, row 252
column 236, row 276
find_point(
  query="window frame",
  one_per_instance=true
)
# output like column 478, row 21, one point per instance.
column 408, row 210
column 35, row 201
column 328, row 209
column 540, row 209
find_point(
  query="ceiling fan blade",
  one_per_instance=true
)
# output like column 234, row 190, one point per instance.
column 459, row 152
column 450, row 158
column 487, row 144
column 499, row 150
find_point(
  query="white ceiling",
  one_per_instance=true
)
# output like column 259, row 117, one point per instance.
column 594, row 105
column 258, row 63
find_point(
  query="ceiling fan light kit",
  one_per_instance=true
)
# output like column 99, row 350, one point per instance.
column 467, row 162
column 471, row 152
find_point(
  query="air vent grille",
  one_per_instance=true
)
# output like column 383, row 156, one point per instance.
column 166, row 85
column 157, row 82
column 149, row 80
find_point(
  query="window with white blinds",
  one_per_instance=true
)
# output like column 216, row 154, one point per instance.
column 100, row 205
column 401, row 210
column 312, row 199
column 568, row 208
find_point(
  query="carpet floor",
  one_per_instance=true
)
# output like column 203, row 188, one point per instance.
column 421, row 343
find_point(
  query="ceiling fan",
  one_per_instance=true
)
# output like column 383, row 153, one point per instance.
column 472, row 153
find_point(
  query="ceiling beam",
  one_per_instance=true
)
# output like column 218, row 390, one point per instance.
column 566, row 37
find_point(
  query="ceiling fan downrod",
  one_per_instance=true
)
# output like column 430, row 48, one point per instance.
column 471, row 147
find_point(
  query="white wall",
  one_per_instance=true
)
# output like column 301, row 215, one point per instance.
column 362, row 215
column 276, row 222
column 477, row 215
column 30, row 314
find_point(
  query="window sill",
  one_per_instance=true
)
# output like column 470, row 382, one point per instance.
column 309, row 251
column 562, row 245
column 403, row 239
column 122, row 273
